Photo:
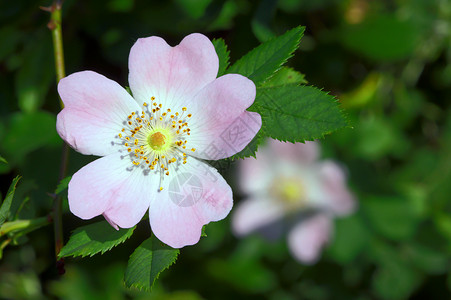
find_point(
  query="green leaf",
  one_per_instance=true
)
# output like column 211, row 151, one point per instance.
column 261, row 63
column 95, row 238
column 63, row 185
column 263, row 17
column 223, row 55
column 350, row 239
column 34, row 77
column 147, row 262
column 406, row 278
column 297, row 113
column 27, row 132
column 193, row 8
column 6, row 205
column 426, row 258
column 382, row 37
column 285, row 76
column 3, row 160
column 392, row 217
column 10, row 37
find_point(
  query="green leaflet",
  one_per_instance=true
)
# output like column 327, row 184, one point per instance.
column 3, row 160
column 94, row 238
column 147, row 262
column 6, row 205
column 284, row 76
column 391, row 216
column 63, row 185
column 261, row 63
column 223, row 55
column 297, row 113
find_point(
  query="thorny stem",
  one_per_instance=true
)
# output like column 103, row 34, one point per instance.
column 55, row 27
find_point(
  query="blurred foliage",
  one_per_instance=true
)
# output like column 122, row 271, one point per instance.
column 388, row 63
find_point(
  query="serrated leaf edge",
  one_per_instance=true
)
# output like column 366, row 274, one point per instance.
column 101, row 252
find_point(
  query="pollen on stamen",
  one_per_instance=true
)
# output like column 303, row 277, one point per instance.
column 158, row 137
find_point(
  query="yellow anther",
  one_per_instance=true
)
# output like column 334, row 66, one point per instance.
column 145, row 104
column 190, row 115
column 152, row 98
column 161, row 188
column 184, row 108
column 193, row 149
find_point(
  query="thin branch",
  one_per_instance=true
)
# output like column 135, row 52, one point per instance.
column 55, row 27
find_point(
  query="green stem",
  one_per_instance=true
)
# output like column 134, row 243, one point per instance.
column 55, row 27
column 57, row 36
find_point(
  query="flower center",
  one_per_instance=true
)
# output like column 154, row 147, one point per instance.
column 155, row 139
column 290, row 191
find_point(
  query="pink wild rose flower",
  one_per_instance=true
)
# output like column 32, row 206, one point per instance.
column 152, row 145
column 289, row 188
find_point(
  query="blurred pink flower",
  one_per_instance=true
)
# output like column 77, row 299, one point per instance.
column 287, row 184
column 152, row 143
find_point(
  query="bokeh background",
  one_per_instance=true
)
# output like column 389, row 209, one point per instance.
column 388, row 62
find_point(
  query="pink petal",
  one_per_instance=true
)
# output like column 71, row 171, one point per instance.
column 220, row 125
column 255, row 213
column 297, row 153
column 105, row 186
column 95, row 108
column 257, row 174
column 194, row 196
column 307, row 239
column 339, row 199
column 171, row 74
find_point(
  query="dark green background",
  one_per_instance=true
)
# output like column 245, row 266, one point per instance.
column 387, row 61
